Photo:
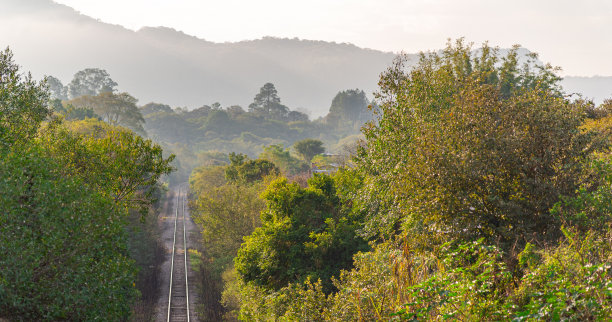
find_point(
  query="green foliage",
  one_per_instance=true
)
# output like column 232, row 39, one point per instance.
column 79, row 113
column 218, row 121
column 472, row 146
column 188, row 134
column 469, row 154
column 571, row 282
column 225, row 214
column 23, row 103
column 63, row 251
column 241, row 170
column 205, row 178
column 164, row 125
column 283, row 159
column 65, row 204
column 267, row 104
column 304, row 234
column 116, row 109
column 470, row 284
column 349, row 106
column 467, row 281
column 151, row 108
column 225, row 211
column 369, row 291
column 589, row 209
column 90, row 82
column 117, row 162
column 308, row 148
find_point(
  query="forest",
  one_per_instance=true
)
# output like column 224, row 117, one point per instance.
column 480, row 191
column 472, row 187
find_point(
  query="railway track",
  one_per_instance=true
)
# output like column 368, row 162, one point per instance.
column 178, row 295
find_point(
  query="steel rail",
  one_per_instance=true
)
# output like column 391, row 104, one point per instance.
column 175, row 286
column 185, row 253
column 172, row 258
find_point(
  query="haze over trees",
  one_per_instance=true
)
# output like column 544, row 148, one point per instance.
column 90, row 82
column 267, row 127
column 115, row 109
column 182, row 70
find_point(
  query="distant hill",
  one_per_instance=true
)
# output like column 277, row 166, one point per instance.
column 167, row 66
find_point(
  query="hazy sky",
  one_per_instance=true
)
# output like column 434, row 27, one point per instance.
column 576, row 35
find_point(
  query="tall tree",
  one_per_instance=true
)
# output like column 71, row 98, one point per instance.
column 90, row 81
column 61, row 240
column 267, row 95
column 268, row 104
column 57, row 90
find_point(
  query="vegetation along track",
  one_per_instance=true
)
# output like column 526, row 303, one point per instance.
column 178, row 294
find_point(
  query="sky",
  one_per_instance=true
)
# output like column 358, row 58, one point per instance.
column 575, row 35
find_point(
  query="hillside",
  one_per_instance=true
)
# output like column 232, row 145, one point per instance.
column 159, row 64
column 165, row 65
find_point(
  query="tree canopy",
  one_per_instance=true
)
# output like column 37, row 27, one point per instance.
column 23, row 103
column 350, row 105
column 305, row 234
column 116, row 109
column 308, row 148
column 267, row 103
column 65, row 202
column 56, row 88
column 244, row 171
column 475, row 145
column 91, row 82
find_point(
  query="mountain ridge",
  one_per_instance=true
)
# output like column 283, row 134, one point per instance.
column 165, row 65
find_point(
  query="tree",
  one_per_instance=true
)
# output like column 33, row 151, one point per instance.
column 350, row 105
column 79, row 113
column 281, row 157
column 90, row 81
column 151, row 108
column 471, row 146
column 112, row 160
column 56, row 88
column 267, row 96
column 267, row 103
column 218, row 121
column 234, row 110
column 225, row 211
column 23, row 103
column 116, row 109
column 305, row 234
column 295, row 116
column 62, row 229
column 244, row 171
column 308, row 148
